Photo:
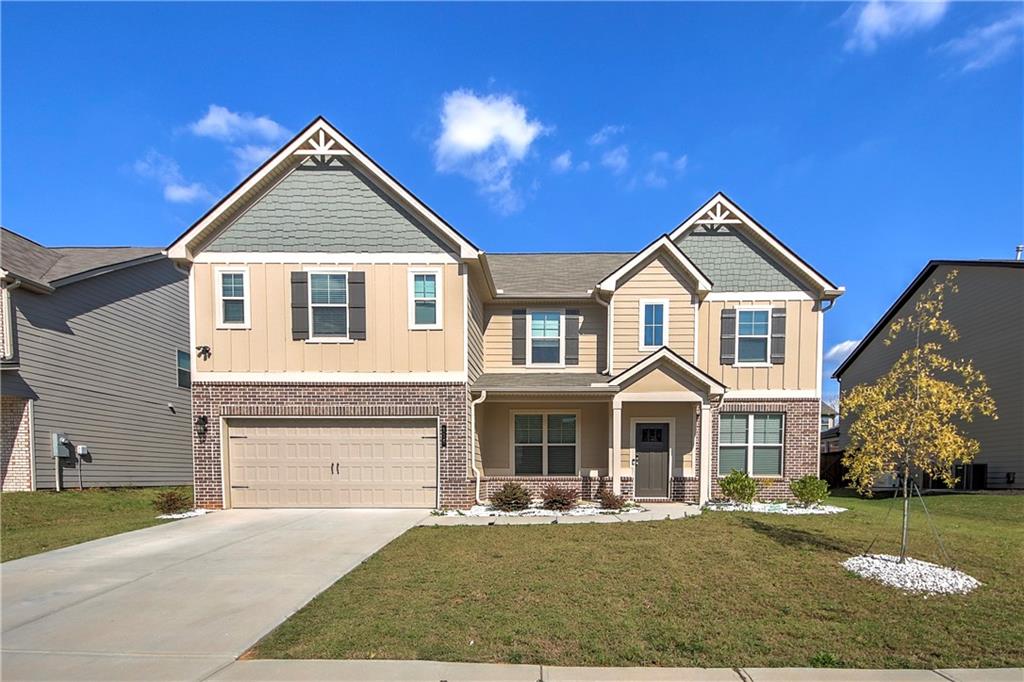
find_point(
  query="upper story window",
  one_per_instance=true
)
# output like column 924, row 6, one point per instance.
column 424, row 299
column 328, row 305
column 233, row 299
column 750, row 443
column 545, row 343
column 653, row 324
column 752, row 333
column 184, row 362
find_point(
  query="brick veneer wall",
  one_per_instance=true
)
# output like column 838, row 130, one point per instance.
column 448, row 401
column 15, row 444
column 799, row 442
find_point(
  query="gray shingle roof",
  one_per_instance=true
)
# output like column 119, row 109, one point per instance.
column 541, row 382
column 552, row 274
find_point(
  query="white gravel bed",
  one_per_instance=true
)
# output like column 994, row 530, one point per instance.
column 183, row 515
column 915, row 576
column 537, row 510
column 774, row 508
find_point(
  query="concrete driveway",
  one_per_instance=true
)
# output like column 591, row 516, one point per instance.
column 178, row 601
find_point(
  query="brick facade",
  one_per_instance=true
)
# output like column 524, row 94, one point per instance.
column 15, row 444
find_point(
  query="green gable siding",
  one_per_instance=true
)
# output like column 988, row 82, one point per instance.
column 332, row 209
column 733, row 263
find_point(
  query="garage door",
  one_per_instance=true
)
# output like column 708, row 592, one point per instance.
column 333, row 462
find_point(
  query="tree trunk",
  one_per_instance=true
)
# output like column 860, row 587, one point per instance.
column 906, row 513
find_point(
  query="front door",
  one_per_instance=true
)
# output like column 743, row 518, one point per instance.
column 651, row 459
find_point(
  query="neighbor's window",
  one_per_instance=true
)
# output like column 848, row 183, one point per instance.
column 233, row 291
column 653, row 328
column 545, row 337
column 328, row 304
column 184, row 370
column 752, row 335
column 545, row 444
column 826, row 423
column 751, row 443
column 425, row 303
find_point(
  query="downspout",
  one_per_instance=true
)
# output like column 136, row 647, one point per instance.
column 472, row 442
column 607, row 332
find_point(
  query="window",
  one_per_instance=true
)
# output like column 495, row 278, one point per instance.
column 184, row 370
column 752, row 336
column 826, row 423
column 751, row 443
column 424, row 299
column 233, row 309
column 544, row 444
column 545, row 338
column 653, row 323
column 328, row 305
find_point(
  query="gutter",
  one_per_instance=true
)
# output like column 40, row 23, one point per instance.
column 472, row 441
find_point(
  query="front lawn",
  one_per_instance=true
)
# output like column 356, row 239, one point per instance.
column 719, row 590
column 36, row 522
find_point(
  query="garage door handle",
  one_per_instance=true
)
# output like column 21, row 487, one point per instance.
column 234, row 487
column 429, row 487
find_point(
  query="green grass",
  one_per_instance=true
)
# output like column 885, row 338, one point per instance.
column 36, row 522
column 719, row 590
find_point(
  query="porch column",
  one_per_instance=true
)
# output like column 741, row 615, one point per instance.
column 616, row 456
column 705, row 453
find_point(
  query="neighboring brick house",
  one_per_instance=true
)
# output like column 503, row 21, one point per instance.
column 93, row 345
column 354, row 349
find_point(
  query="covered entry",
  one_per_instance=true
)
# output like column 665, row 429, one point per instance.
column 332, row 462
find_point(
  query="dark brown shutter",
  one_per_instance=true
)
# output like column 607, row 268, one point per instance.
column 572, row 337
column 728, row 346
column 300, row 305
column 778, row 336
column 357, row 305
column 519, row 336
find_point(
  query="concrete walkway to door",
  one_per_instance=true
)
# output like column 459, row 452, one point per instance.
column 181, row 600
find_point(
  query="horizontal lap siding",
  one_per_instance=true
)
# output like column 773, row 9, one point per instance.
column 497, row 335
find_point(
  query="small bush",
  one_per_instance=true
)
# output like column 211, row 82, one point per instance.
column 172, row 502
column 559, row 498
column 739, row 487
column 511, row 497
column 809, row 491
column 610, row 500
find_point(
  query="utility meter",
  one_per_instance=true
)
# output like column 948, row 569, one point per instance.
column 61, row 444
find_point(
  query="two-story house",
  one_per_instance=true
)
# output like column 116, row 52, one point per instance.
column 354, row 349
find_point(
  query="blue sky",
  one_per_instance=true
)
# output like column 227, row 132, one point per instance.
column 870, row 137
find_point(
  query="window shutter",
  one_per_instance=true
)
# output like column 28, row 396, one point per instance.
column 572, row 337
column 728, row 345
column 778, row 336
column 519, row 336
column 300, row 305
column 357, row 305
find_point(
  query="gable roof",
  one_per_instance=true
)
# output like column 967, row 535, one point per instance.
column 550, row 275
column 910, row 291
column 320, row 140
column 667, row 246
column 669, row 356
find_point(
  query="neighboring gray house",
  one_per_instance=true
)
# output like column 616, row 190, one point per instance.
column 988, row 312
column 94, row 345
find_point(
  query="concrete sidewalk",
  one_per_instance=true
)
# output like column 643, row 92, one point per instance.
column 436, row 671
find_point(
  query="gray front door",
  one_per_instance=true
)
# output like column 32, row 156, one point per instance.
column 651, row 448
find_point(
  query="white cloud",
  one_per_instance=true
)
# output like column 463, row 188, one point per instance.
column 223, row 124
column 606, row 133
column 185, row 194
column 562, row 162
column 583, row 166
column 878, row 20
column 839, row 351
column 484, row 138
column 655, row 179
column 249, row 157
column 165, row 171
column 680, row 164
column 616, row 159
column 982, row 46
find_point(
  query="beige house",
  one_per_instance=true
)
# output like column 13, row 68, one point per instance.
column 354, row 349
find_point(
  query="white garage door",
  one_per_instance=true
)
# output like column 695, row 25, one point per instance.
column 333, row 462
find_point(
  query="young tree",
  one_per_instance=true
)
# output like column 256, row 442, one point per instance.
column 910, row 418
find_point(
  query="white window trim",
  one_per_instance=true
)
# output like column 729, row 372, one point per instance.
column 561, row 338
column 544, row 442
column 438, row 297
column 768, row 343
column 309, row 305
column 642, row 303
column 219, row 296
column 177, row 369
column 750, row 447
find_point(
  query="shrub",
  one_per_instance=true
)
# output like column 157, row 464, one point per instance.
column 172, row 502
column 809, row 490
column 739, row 487
column 559, row 498
column 511, row 497
column 610, row 500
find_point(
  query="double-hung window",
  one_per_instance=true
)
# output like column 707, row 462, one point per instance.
column 752, row 334
column 184, row 363
column 424, row 299
column 544, row 444
column 233, row 299
column 328, row 305
column 751, row 443
column 545, row 338
column 653, row 324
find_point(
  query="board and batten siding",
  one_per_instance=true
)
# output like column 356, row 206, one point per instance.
column 101, row 356
column 497, row 335
column 390, row 346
